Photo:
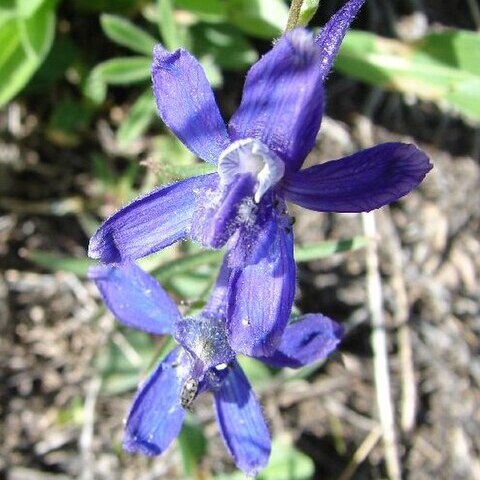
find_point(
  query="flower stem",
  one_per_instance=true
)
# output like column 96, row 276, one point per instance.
column 294, row 14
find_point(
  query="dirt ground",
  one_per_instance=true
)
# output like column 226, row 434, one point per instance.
column 55, row 421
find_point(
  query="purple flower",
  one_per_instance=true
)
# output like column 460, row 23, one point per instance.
column 259, row 157
column 203, row 361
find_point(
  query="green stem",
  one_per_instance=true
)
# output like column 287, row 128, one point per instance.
column 294, row 14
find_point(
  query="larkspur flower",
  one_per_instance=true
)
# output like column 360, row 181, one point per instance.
column 259, row 158
column 203, row 361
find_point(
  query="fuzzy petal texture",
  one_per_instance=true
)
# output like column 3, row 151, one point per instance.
column 217, row 215
column 261, row 298
column 150, row 222
column 186, row 104
column 156, row 416
column 361, row 182
column 311, row 338
column 242, row 423
column 282, row 102
column 135, row 298
column 331, row 36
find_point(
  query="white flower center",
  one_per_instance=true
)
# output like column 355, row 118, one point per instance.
column 251, row 156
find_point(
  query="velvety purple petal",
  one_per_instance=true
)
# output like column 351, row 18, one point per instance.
column 149, row 223
column 332, row 34
column 261, row 298
column 311, row 338
column 186, row 103
column 156, row 416
column 361, row 182
column 252, row 239
column 135, row 298
column 282, row 102
column 217, row 214
column 241, row 423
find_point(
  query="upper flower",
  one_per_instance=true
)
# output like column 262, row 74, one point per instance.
column 259, row 156
column 203, row 361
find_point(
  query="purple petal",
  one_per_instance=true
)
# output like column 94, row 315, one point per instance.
column 332, row 34
column 156, row 415
column 241, row 423
column 216, row 217
column 185, row 102
column 149, row 223
column 282, row 101
column 135, row 298
column 361, row 182
column 251, row 242
column 261, row 298
column 313, row 337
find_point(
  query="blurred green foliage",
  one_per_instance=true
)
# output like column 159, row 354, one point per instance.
column 443, row 67
column 26, row 35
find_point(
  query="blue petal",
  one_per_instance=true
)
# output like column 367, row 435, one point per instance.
column 282, row 102
column 261, row 298
column 332, row 34
column 149, row 223
column 241, row 423
column 156, row 415
column 311, row 338
column 361, row 182
column 251, row 242
column 135, row 298
column 216, row 217
column 186, row 103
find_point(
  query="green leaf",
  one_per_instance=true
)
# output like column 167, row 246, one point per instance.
column 307, row 11
column 69, row 117
column 171, row 36
column 120, row 361
column 443, row 67
column 207, row 10
column 257, row 372
column 25, row 8
column 174, row 161
column 228, row 47
column 124, row 70
column 307, row 253
column 60, row 263
column 141, row 114
column 125, row 33
column 193, row 445
column 186, row 264
column 25, row 41
column 260, row 18
column 286, row 463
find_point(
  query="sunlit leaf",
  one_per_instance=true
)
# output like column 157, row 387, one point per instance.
column 307, row 253
column 260, row 18
column 228, row 47
column 139, row 117
column 124, row 70
column 286, row 463
column 443, row 67
column 193, row 445
column 125, row 33
column 308, row 10
column 60, row 263
column 25, row 40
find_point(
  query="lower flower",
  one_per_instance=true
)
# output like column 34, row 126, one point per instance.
column 204, row 361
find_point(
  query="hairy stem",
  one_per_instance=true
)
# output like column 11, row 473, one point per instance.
column 294, row 14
